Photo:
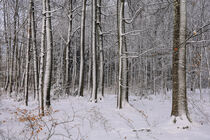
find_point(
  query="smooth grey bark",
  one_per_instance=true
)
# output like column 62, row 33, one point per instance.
column 154, row 76
column 7, row 44
column 94, row 46
column 82, row 47
column 125, row 64
column 12, row 50
column 74, row 67
column 208, row 66
column 90, row 69
column 67, row 51
column 120, row 4
column 179, row 100
column 182, row 61
column 42, row 55
column 49, row 49
column 122, row 75
column 16, row 62
column 26, row 86
column 34, row 44
column 101, row 51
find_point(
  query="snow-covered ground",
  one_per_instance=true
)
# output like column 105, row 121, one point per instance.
column 75, row 118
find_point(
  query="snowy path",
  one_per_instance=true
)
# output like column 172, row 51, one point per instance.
column 75, row 118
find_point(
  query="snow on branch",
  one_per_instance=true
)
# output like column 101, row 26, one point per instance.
column 52, row 11
column 135, row 15
column 134, row 32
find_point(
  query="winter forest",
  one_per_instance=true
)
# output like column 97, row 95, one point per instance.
column 104, row 69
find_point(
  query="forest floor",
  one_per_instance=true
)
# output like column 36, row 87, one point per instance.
column 147, row 118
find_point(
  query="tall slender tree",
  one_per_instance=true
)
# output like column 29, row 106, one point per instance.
column 101, row 52
column 68, row 46
column 12, row 50
column 82, row 47
column 34, row 45
column 7, row 43
column 42, row 56
column 122, row 76
column 26, row 86
column 49, row 49
column 94, row 51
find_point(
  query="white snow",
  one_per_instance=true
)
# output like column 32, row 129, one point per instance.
column 77, row 119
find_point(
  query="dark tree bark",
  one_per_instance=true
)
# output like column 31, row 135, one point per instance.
column 26, row 86
column 179, row 99
column 49, row 49
column 82, row 47
column 123, row 62
column 94, row 51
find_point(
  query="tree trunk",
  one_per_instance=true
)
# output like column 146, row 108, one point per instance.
column 16, row 69
column 82, row 47
column 12, row 51
column 7, row 44
column 26, row 86
column 94, row 65
column 48, row 69
column 208, row 66
column 33, row 30
column 67, row 78
column 100, row 43
column 123, row 62
column 74, row 67
column 179, row 101
column 90, row 69
column 42, row 54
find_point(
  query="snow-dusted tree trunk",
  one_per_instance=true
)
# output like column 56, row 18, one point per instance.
column 94, row 65
column 90, row 69
column 49, row 47
column 182, row 60
column 74, row 67
column 16, row 61
column 179, row 104
column 175, row 58
column 123, row 77
column 26, row 86
column 101, row 52
column 67, row 78
column 125, row 64
column 42, row 54
column 82, row 47
column 153, row 73
column 7, row 43
column 12, row 50
column 208, row 66
column 33, row 31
